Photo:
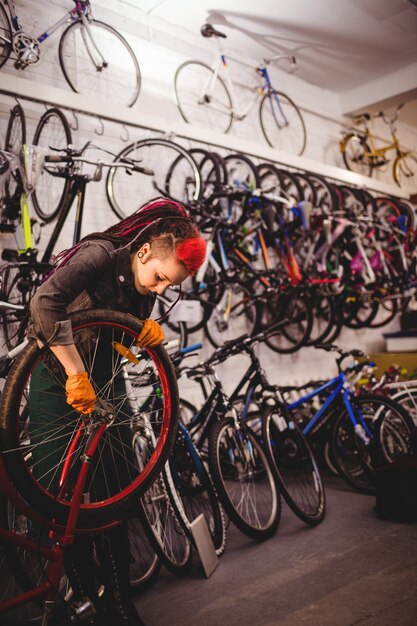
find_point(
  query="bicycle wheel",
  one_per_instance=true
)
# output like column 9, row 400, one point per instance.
column 405, row 171
column 126, row 193
column 244, row 479
column 192, row 491
column 14, row 140
column 406, row 397
column 17, row 286
column 297, row 309
column 42, row 437
column 242, row 173
column 20, row 570
column 393, row 426
column 282, row 123
column 354, row 451
column 324, row 318
column 200, row 102
column 354, row 150
column 98, row 62
column 212, row 170
column 5, row 36
column 297, row 471
column 236, row 313
column 144, row 563
column 53, row 131
column 163, row 529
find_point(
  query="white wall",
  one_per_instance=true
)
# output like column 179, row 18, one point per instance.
column 160, row 48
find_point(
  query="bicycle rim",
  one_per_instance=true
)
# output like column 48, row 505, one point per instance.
column 192, row 492
column 196, row 105
column 44, row 438
column 14, row 140
column 173, row 173
column 113, row 76
column 244, row 480
column 53, row 131
column 5, row 37
column 144, row 564
column 298, row 475
column 282, row 123
column 235, row 314
column 164, row 530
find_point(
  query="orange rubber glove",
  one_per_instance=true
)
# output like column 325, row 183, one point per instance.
column 150, row 335
column 80, row 393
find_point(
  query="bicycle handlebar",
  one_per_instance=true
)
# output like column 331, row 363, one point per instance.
column 127, row 163
column 278, row 57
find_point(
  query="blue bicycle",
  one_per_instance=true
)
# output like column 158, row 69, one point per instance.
column 359, row 429
column 205, row 98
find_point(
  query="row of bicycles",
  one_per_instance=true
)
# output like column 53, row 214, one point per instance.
column 335, row 256
column 233, row 456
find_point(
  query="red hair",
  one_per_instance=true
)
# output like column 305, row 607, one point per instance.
column 192, row 252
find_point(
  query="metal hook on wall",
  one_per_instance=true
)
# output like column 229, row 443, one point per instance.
column 100, row 131
column 74, row 124
column 125, row 136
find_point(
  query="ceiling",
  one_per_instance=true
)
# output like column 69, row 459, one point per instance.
column 364, row 50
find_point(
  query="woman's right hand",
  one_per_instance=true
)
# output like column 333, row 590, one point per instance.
column 80, row 393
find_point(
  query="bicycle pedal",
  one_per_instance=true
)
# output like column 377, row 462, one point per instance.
column 83, row 610
column 378, row 163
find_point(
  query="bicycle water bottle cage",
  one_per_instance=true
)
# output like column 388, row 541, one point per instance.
column 207, row 30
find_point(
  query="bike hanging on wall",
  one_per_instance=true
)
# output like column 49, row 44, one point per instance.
column 204, row 97
column 94, row 58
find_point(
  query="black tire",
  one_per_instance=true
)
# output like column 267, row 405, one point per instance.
column 387, row 310
column 356, row 453
column 18, row 284
column 353, row 148
column 159, row 156
column 242, row 173
column 324, row 194
column 20, row 570
column 298, row 475
column 108, row 83
column 14, row 140
column 235, row 313
column 406, row 396
column 112, row 487
column 50, row 194
column 393, row 428
column 192, row 490
column 297, row 309
column 212, row 168
column 214, row 111
column 356, row 312
column 282, row 123
column 163, row 529
column 324, row 318
column 144, row 563
column 5, row 36
column 405, row 171
column 244, row 480
column 351, row 457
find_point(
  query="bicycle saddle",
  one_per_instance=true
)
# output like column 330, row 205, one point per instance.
column 207, row 30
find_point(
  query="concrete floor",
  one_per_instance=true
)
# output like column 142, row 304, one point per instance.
column 352, row 569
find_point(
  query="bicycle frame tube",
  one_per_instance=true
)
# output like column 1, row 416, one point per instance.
column 78, row 190
column 220, row 60
column 24, row 237
column 339, row 384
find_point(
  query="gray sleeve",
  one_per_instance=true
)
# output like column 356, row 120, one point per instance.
column 48, row 307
